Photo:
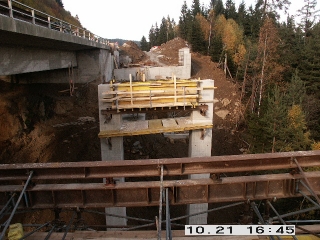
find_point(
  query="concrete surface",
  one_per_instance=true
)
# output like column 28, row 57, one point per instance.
column 111, row 149
column 182, row 72
column 201, row 148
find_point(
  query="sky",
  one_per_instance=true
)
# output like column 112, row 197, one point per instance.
column 132, row 19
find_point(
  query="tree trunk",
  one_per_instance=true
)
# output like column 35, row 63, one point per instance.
column 262, row 72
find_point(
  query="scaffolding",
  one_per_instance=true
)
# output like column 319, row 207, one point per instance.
column 31, row 196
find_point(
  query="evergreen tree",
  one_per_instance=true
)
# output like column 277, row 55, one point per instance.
column 185, row 22
column 296, row 91
column 270, row 7
column 308, row 15
column 197, row 37
column 156, row 34
column 230, row 10
column 289, row 48
column 267, row 132
column 255, row 20
column 195, row 8
column 309, row 66
column 144, row 45
column 60, row 3
column 163, row 31
column 152, row 37
column 217, row 6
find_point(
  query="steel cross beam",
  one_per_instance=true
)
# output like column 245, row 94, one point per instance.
column 151, row 167
column 131, row 194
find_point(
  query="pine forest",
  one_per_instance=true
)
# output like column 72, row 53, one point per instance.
column 275, row 63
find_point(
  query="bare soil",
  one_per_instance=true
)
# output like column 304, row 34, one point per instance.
column 43, row 123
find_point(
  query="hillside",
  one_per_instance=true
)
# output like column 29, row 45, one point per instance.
column 53, row 8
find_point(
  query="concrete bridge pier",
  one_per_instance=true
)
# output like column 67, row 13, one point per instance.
column 111, row 149
column 200, row 144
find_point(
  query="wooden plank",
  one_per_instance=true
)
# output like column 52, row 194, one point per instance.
column 154, row 127
column 134, row 126
column 155, row 124
column 169, row 122
column 184, row 121
column 148, row 98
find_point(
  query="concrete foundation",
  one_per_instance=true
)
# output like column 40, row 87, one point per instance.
column 111, row 149
column 182, row 72
column 200, row 144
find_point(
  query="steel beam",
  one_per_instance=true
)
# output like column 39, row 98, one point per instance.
column 131, row 194
column 148, row 168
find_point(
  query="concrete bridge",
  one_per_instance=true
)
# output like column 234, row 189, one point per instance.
column 34, row 45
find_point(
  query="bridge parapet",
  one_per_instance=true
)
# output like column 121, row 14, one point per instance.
column 19, row 11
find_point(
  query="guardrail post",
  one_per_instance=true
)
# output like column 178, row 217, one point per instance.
column 33, row 16
column 84, row 34
column 10, row 8
column 49, row 22
column 89, row 36
column 60, row 26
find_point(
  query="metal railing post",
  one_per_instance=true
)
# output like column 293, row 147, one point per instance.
column 60, row 26
column 49, row 22
column 10, row 8
column 33, row 17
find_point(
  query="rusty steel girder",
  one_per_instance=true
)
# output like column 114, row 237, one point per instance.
column 132, row 194
column 151, row 167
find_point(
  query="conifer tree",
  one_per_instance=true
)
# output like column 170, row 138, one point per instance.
column 163, row 31
column 185, row 22
column 195, row 8
column 308, row 15
column 144, row 44
column 217, row 6
column 230, row 10
column 60, row 3
column 152, row 37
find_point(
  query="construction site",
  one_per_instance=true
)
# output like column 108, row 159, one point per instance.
column 142, row 155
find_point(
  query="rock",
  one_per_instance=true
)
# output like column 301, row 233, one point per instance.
column 225, row 102
column 63, row 107
column 86, row 119
column 222, row 113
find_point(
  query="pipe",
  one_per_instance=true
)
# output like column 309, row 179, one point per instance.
column 16, row 206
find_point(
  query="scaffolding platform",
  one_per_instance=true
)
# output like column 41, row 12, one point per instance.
column 154, row 126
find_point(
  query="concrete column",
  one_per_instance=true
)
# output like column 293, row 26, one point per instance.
column 94, row 64
column 201, row 148
column 111, row 149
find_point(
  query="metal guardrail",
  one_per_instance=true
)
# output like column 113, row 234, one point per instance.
column 17, row 10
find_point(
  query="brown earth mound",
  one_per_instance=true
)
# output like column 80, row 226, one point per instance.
column 132, row 50
column 170, row 51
